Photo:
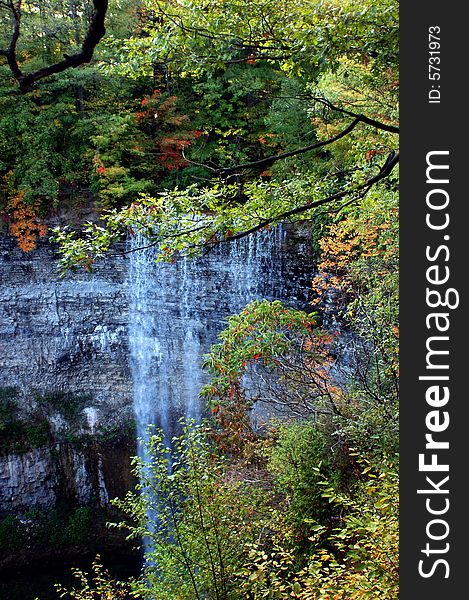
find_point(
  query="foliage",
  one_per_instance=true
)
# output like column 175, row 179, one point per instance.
column 194, row 517
column 159, row 112
column 256, row 80
column 43, row 136
column 367, row 543
column 99, row 585
column 273, row 354
column 119, row 174
column 24, row 224
column 302, row 458
column 193, row 92
column 72, row 137
column 12, row 534
column 358, row 283
column 68, row 404
column 183, row 221
column 303, row 37
column 63, row 529
column 19, row 435
column 198, row 125
column 58, row 528
column 51, row 26
column 187, row 221
column 357, row 559
column 210, row 536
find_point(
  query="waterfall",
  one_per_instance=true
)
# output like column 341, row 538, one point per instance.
column 177, row 310
column 175, row 313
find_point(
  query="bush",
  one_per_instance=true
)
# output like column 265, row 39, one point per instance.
column 98, row 585
column 19, row 436
column 301, row 460
column 195, row 518
column 356, row 560
column 12, row 534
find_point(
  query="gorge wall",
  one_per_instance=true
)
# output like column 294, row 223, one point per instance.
column 66, row 376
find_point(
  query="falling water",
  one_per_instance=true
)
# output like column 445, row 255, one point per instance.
column 176, row 312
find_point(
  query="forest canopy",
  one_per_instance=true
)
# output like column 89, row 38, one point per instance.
column 232, row 115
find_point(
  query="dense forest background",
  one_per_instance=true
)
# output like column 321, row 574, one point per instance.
column 200, row 123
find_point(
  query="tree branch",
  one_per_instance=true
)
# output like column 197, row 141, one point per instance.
column 96, row 31
column 275, row 157
column 10, row 53
column 362, row 189
column 363, row 118
column 385, row 170
column 270, row 159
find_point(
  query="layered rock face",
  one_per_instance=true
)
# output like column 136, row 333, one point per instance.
column 81, row 475
column 67, row 334
column 27, row 477
column 65, row 351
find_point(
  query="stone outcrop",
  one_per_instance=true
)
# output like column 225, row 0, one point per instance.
column 81, row 474
column 28, row 479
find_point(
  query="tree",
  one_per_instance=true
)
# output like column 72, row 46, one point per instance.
column 193, row 516
column 357, row 288
column 251, row 179
column 275, row 355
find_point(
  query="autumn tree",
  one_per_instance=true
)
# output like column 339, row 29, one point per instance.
column 246, row 65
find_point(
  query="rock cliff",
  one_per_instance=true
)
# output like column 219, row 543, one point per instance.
column 65, row 364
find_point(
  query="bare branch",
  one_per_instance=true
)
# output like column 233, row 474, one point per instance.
column 96, row 31
column 275, row 157
column 10, row 53
column 363, row 118
column 358, row 118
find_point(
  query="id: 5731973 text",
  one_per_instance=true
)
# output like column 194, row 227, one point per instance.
column 434, row 60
